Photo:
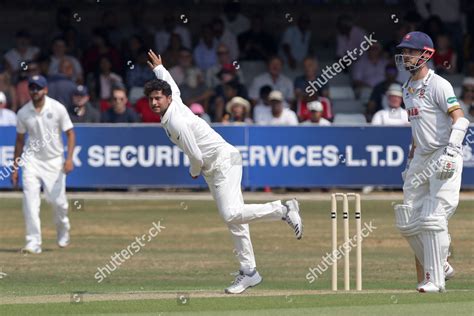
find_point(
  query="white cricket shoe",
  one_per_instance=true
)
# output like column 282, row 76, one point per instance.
column 244, row 281
column 34, row 250
column 429, row 287
column 448, row 271
column 293, row 217
column 63, row 238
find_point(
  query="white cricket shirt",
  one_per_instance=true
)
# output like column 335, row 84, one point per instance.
column 429, row 101
column 391, row 117
column 44, row 129
column 189, row 132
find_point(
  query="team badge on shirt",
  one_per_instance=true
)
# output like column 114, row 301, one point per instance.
column 49, row 115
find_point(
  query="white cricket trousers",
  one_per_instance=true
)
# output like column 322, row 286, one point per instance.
column 224, row 180
column 432, row 200
column 50, row 175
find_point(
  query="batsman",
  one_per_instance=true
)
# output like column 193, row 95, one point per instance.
column 221, row 165
column 432, row 178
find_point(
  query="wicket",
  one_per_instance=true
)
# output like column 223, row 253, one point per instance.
column 345, row 214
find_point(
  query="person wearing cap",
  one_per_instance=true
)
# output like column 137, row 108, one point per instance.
column 394, row 114
column 280, row 114
column 7, row 116
column 237, row 111
column 377, row 97
column 82, row 110
column 438, row 128
column 467, row 98
column 316, row 110
column 43, row 163
column 221, row 165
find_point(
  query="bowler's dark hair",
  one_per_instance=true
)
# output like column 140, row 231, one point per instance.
column 157, row 85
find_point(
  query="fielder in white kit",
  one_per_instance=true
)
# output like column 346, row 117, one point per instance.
column 432, row 178
column 42, row 161
column 221, row 165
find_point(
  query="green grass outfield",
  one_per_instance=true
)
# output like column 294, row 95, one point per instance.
column 193, row 257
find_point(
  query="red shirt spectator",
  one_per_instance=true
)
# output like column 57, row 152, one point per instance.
column 304, row 114
column 143, row 109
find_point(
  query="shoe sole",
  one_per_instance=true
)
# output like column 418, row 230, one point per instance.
column 29, row 251
column 298, row 212
column 227, row 292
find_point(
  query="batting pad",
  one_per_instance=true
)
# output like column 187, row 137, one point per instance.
column 409, row 225
column 435, row 240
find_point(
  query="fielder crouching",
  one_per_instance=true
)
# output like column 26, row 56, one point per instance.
column 432, row 178
column 42, row 161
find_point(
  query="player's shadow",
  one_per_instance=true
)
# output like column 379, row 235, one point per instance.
column 16, row 250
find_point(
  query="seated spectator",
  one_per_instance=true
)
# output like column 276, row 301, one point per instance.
column 295, row 42
column 61, row 85
column 444, row 58
column 228, row 77
column 198, row 110
column 82, row 110
column 134, row 47
column 100, row 48
column 22, row 52
column 377, row 100
column 280, row 114
column 311, row 71
column 205, row 52
column 119, row 113
column 142, row 107
column 223, row 57
column 262, row 112
column 172, row 52
column 59, row 49
column 223, row 94
column 467, row 98
column 237, row 111
column 9, row 90
column 138, row 72
column 162, row 37
column 256, row 44
column 394, row 114
column 369, row 70
column 275, row 79
column 185, row 67
column 349, row 36
column 316, row 117
column 7, row 117
column 103, row 81
column 234, row 21
column 224, row 36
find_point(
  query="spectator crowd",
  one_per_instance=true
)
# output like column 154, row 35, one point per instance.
column 102, row 81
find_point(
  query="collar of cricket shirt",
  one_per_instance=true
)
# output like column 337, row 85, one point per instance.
column 165, row 118
column 421, row 83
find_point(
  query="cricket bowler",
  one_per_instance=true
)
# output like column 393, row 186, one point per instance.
column 432, row 178
column 42, row 161
column 221, row 165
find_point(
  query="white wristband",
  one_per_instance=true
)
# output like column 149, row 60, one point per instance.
column 458, row 132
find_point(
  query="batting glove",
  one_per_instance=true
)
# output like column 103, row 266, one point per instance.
column 447, row 162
